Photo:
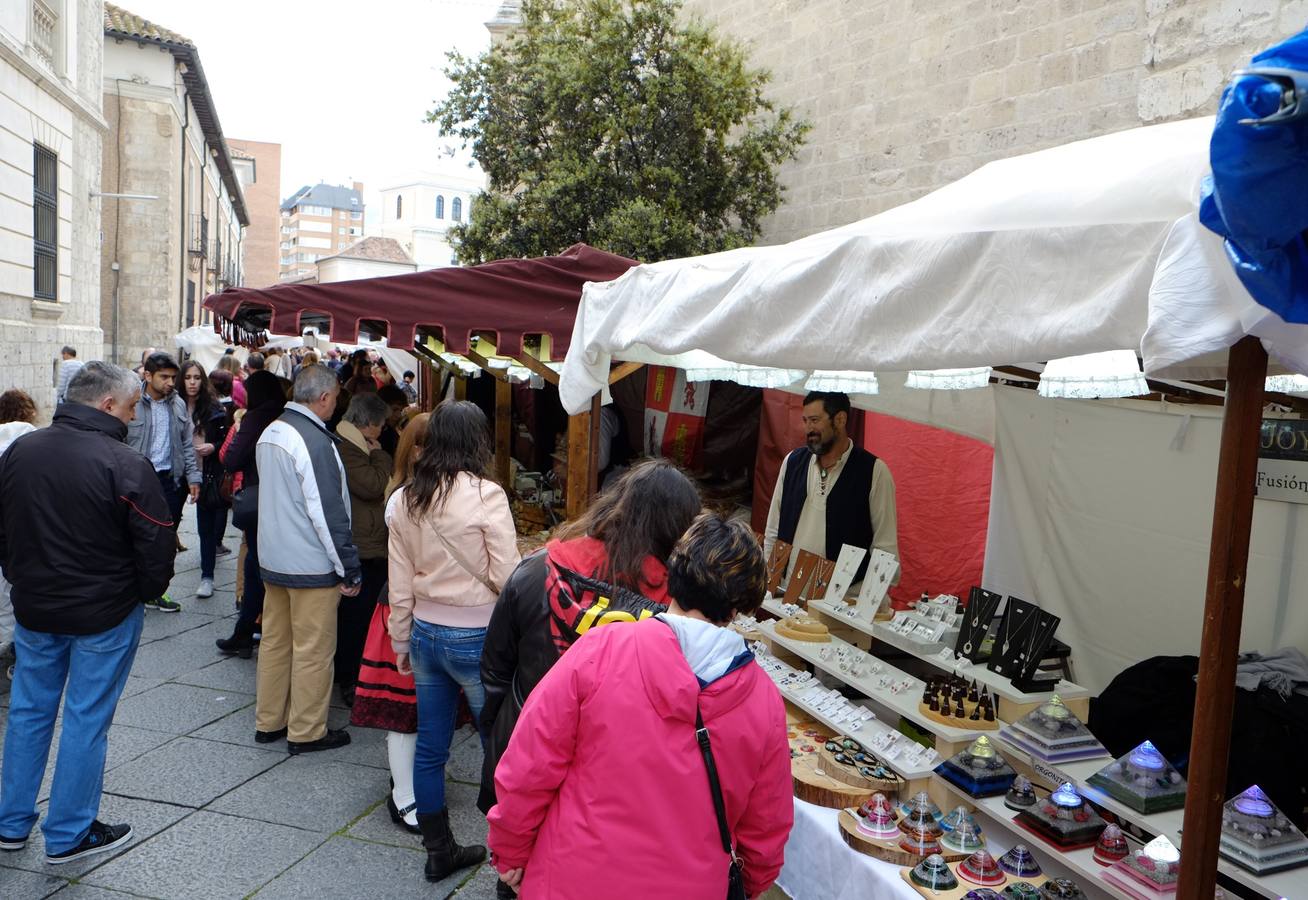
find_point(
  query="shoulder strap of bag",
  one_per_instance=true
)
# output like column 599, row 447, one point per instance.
column 467, row 566
column 715, row 786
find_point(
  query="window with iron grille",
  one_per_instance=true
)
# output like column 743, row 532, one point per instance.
column 45, row 223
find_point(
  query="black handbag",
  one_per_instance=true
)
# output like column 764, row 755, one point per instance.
column 211, row 491
column 245, row 507
column 735, row 878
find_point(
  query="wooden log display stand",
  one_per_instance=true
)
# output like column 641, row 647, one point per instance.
column 963, row 887
column 822, row 781
column 886, row 851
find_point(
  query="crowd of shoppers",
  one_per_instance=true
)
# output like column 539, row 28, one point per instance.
column 379, row 559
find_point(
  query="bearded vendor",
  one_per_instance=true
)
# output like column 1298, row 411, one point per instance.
column 830, row 492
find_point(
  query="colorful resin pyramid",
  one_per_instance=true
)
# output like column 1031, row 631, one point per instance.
column 979, row 770
column 877, row 820
column 1021, row 795
column 1061, row 889
column 1257, row 836
column 1053, row 733
column 934, row 874
column 1065, row 820
column 1150, row 873
column 919, row 833
column 981, row 868
column 1143, row 780
column 1019, row 863
column 1111, row 846
column 966, row 838
column 921, row 800
column 982, row 894
column 956, row 816
column 1021, row 890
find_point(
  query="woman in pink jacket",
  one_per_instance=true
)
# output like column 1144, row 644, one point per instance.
column 452, row 544
column 603, row 790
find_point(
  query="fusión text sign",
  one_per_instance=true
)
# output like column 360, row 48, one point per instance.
column 1283, row 461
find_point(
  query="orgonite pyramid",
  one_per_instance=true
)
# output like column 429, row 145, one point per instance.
column 1111, row 846
column 965, row 838
column 982, row 894
column 1019, row 863
column 1150, row 873
column 1052, row 732
column 877, row 820
column 1021, row 795
column 1061, row 889
column 1258, row 836
column 979, row 770
column 1021, row 890
column 981, row 868
column 921, row 800
column 1143, row 780
column 956, row 816
column 934, row 874
column 919, row 833
column 1065, row 820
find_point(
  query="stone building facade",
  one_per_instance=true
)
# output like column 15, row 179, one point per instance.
column 420, row 213
column 908, row 95
column 162, row 256
column 261, row 182
column 50, row 70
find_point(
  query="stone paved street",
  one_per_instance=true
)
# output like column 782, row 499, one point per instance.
column 218, row 816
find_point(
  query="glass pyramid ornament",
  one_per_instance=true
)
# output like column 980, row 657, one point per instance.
column 1052, row 732
column 1142, row 779
column 1259, row 837
column 1021, row 795
column 982, row 894
column 1019, row 863
column 1149, row 873
column 965, row 838
column 919, row 833
column 956, row 816
column 1021, row 890
column 877, row 820
column 933, row 873
column 981, row 868
column 1111, row 846
column 921, row 800
column 979, row 770
column 1061, row 889
column 1065, row 820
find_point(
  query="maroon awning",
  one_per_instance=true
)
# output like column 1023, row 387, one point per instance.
column 509, row 297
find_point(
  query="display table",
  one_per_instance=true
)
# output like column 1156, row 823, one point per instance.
column 820, row 866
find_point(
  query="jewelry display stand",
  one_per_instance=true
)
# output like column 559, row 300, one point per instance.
column 806, row 564
column 813, row 779
column 1024, row 635
column 848, row 762
column 977, row 618
column 777, row 563
column 846, row 570
column 882, row 568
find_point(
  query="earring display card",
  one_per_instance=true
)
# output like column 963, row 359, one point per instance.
column 846, row 570
column 980, row 612
column 805, row 564
column 881, row 571
column 777, row 565
column 817, row 585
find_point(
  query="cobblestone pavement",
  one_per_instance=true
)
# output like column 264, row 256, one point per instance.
column 219, row 816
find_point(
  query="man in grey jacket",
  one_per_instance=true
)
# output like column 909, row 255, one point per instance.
column 162, row 432
column 308, row 560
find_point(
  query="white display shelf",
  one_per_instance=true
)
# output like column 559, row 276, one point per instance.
column 1289, row 884
column 903, row 704
column 929, row 654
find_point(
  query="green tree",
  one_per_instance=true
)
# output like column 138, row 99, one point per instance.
column 615, row 123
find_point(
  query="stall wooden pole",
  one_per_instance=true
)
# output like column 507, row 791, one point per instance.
column 578, row 464
column 460, row 387
column 592, row 459
column 503, row 421
column 1228, row 559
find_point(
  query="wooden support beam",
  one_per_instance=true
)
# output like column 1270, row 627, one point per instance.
column 475, row 357
column 460, row 387
column 503, row 430
column 1228, row 560
column 623, row 370
column 535, row 365
column 578, row 455
column 592, row 459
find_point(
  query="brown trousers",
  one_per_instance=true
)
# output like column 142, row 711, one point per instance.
column 295, row 660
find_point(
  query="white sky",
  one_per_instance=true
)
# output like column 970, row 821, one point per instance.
column 343, row 86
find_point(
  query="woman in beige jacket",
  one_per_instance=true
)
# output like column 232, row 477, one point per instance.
column 452, row 544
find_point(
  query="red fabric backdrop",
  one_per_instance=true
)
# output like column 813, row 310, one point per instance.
column 942, row 492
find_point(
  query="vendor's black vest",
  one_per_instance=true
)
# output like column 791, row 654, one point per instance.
column 849, row 521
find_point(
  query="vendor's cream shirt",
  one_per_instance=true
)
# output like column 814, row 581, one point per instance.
column 811, row 531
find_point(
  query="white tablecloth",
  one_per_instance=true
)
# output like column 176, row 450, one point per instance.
column 821, row 866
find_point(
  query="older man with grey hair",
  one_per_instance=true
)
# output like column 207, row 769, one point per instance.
column 85, row 539
column 308, row 561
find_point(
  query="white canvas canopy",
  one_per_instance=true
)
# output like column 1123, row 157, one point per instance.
column 1090, row 247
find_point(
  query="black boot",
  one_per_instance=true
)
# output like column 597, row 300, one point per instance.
column 241, row 643
column 444, row 856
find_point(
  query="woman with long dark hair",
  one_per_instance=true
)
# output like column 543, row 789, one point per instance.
column 211, row 422
column 452, row 543
column 617, row 550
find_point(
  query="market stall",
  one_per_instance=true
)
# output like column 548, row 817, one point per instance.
column 1089, row 248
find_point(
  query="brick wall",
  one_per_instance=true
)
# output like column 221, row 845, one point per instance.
column 908, row 95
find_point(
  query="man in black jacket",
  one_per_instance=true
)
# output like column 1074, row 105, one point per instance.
column 85, row 538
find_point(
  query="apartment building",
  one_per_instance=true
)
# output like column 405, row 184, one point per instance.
column 318, row 221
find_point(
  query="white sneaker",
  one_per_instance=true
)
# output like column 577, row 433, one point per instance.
column 205, row 589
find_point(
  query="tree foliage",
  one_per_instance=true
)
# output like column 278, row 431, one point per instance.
column 614, row 123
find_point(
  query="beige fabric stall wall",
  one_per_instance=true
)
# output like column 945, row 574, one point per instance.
column 1101, row 512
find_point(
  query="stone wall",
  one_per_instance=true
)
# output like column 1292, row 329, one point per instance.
column 908, row 95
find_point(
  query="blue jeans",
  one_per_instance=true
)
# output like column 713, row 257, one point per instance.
column 95, row 667
column 444, row 659
column 252, row 593
column 210, row 522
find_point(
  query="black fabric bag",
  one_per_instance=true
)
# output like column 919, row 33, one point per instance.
column 245, row 507
column 211, row 491
column 735, row 878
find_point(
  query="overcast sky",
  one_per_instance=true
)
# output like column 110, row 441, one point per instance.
column 342, row 85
